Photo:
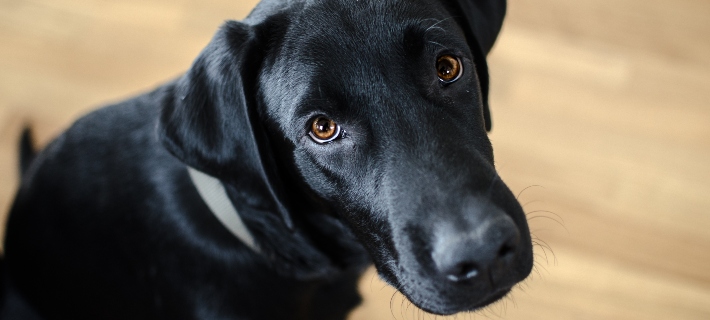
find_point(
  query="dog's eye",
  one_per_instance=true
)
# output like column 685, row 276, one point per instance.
column 449, row 68
column 324, row 130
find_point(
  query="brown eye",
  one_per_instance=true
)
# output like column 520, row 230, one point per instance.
column 324, row 130
column 449, row 68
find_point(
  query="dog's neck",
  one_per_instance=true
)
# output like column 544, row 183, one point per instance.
column 213, row 194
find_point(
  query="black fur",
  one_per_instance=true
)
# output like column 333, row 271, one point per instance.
column 107, row 224
column 27, row 150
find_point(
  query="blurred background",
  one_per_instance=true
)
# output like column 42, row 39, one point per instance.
column 601, row 117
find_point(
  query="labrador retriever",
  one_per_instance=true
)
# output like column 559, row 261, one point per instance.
column 305, row 143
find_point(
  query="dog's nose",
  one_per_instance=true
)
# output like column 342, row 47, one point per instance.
column 484, row 252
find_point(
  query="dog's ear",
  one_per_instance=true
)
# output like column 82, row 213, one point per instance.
column 210, row 120
column 481, row 21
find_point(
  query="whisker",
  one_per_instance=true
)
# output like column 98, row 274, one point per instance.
column 543, row 268
column 520, row 287
column 436, row 43
column 392, row 305
column 531, row 201
column 394, row 294
column 546, row 211
column 515, row 303
column 548, row 246
column 372, row 280
column 437, row 23
column 540, row 257
column 543, row 250
column 532, row 186
column 546, row 217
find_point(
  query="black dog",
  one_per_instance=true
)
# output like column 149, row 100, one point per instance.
column 343, row 132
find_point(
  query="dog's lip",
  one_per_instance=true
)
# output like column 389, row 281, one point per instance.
column 497, row 295
column 480, row 304
column 474, row 306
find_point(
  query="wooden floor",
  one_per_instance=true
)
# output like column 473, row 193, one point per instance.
column 601, row 115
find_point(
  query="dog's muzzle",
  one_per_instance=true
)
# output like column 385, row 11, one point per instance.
column 478, row 254
column 461, row 253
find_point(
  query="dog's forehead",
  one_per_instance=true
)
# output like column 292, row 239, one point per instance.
column 357, row 26
column 350, row 44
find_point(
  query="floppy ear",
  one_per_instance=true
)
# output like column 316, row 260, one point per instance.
column 209, row 121
column 481, row 21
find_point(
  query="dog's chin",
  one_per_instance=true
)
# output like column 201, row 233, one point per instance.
column 444, row 309
column 477, row 306
column 446, row 299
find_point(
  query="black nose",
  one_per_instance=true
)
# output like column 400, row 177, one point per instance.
column 484, row 252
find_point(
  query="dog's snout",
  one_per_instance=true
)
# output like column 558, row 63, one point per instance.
column 486, row 252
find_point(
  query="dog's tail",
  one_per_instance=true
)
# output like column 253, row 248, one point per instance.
column 27, row 149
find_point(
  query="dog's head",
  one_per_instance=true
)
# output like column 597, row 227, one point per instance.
column 375, row 110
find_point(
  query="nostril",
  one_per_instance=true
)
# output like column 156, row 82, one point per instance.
column 476, row 254
column 507, row 250
column 462, row 271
